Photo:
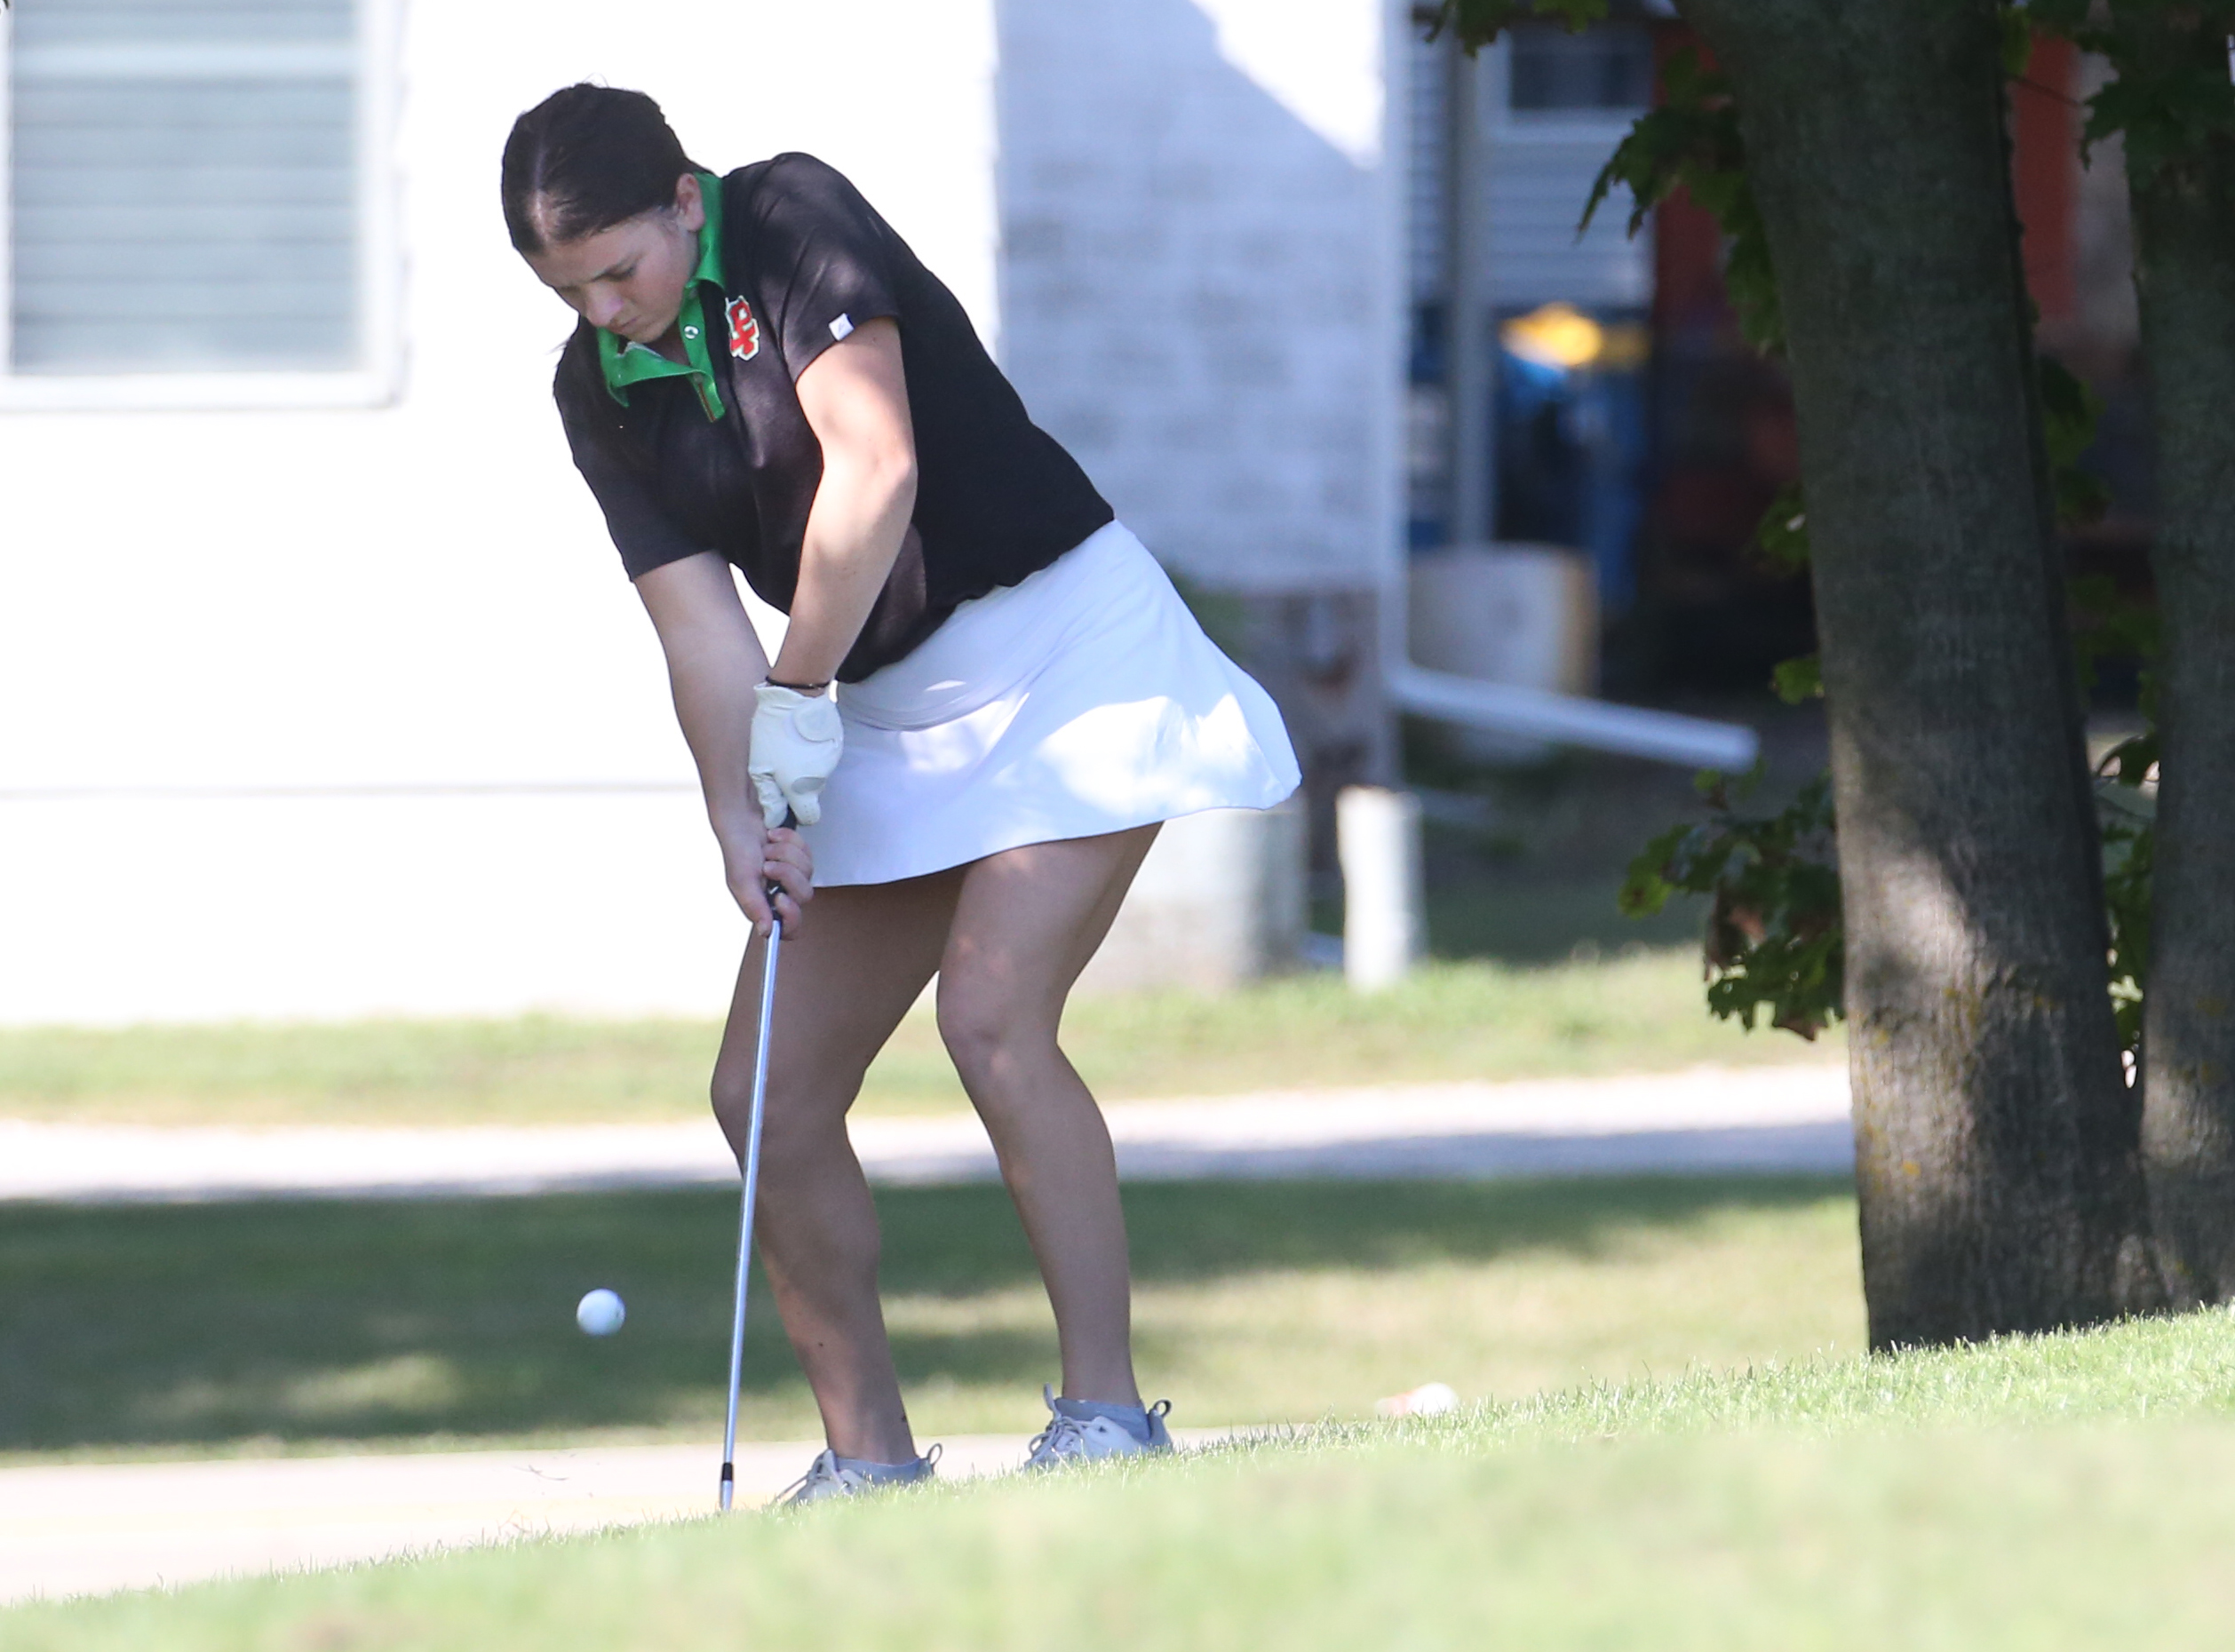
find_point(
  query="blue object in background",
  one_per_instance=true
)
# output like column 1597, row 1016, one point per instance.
column 1571, row 440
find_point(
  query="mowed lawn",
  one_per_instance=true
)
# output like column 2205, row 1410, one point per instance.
column 151, row 1330
column 1641, row 1010
column 2060, row 1492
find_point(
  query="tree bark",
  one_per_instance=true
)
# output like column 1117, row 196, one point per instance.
column 2184, row 258
column 1996, row 1145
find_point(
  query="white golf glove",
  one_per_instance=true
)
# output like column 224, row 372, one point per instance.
column 796, row 740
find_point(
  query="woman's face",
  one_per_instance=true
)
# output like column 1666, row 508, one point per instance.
column 630, row 279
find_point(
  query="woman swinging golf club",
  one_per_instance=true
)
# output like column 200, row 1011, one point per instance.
column 764, row 378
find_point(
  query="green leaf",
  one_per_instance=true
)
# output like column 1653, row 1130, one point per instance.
column 1775, row 941
column 2069, row 412
column 2092, row 597
column 1691, row 141
column 2106, row 623
column 2062, row 17
column 2170, row 105
column 1782, row 534
column 1797, row 681
column 2129, row 865
column 1645, row 891
column 1475, row 23
column 2017, row 40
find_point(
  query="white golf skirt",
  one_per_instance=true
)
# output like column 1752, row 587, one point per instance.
column 1084, row 700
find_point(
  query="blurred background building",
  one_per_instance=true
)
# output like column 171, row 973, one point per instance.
column 320, row 690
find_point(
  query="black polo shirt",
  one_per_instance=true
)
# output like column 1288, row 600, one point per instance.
column 804, row 260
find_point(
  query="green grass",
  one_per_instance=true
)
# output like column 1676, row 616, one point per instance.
column 2046, row 1493
column 1641, row 1010
column 1519, row 914
column 149, row 1331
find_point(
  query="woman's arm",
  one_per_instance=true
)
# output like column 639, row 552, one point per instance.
column 714, row 662
column 855, row 399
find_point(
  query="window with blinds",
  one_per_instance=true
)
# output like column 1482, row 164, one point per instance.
column 1608, row 69
column 184, row 186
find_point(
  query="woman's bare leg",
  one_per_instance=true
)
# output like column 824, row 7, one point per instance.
column 1025, row 924
column 857, row 962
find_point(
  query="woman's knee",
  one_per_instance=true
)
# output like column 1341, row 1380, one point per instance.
column 805, row 1113
column 732, row 1096
column 981, row 1025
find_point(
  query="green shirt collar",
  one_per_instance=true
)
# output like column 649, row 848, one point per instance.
column 626, row 363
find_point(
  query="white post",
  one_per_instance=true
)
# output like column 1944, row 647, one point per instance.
column 1378, row 839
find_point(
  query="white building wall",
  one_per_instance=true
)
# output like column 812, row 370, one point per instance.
column 351, row 711
column 1202, row 291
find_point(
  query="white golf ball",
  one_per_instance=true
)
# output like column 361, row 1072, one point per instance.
column 1430, row 1399
column 600, row 1313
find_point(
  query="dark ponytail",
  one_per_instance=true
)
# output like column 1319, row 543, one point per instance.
column 584, row 159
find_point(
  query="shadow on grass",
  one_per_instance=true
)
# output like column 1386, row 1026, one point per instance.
column 1521, row 918
column 180, row 1324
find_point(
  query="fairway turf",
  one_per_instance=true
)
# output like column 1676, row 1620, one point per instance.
column 2058, row 1492
column 139, row 1331
column 1640, row 1012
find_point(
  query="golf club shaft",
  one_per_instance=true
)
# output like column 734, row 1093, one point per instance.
column 745, row 1219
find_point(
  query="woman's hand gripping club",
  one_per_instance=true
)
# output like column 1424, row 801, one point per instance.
column 771, row 879
column 795, row 744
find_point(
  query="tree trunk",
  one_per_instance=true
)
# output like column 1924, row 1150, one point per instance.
column 2185, row 257
column 1997, row 1144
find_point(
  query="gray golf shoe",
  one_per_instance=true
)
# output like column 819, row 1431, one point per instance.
column 1075, row 1434
column 831, row 1475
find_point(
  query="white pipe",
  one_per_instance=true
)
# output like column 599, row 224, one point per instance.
column 1569, row 720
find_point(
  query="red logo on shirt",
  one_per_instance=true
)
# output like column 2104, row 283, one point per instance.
column 744, row 332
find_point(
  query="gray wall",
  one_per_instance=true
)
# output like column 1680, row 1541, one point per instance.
column 1200, row 283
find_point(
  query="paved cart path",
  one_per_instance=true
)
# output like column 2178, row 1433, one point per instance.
column 1790, row 1118
column 98, row 1528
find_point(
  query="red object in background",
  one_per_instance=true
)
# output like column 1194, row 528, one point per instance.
column 1727, row 440
column 2045, row 121
column 1687, row 266
column 1724, row 437
column 1687, row 242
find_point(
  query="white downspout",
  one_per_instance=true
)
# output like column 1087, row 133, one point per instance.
column 1560, row 719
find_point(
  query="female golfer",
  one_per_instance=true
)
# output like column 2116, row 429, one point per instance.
column 764, row 378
